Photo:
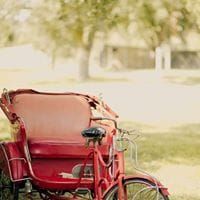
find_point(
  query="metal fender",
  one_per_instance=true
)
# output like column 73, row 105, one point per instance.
column 150, row 179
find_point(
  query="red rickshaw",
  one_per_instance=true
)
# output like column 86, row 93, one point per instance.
column 64, row 148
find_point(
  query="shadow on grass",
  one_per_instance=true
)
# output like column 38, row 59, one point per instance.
column 189, row 80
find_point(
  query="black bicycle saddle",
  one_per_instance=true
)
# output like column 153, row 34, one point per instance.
column 94, row 132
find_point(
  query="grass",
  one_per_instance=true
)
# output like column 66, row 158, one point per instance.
column 184, row 197
column 171, row 154
column 171, row 147
column 184, row 77
column 174, row 145
column 184, row 80
column 4, row 129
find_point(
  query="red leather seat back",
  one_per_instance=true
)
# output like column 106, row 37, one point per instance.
column 53, row 117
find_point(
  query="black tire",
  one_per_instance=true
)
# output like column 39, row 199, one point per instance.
column 137, row 189
column 8, row 190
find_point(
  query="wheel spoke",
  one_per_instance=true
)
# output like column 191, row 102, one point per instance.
column 137, row 190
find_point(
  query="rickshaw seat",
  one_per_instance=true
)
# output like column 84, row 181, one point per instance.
column 53, row 117
column 54, row 123
column 51, row 126
column 57, row 149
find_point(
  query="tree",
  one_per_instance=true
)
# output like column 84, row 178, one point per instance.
column 67, row 25
column 194, row 7
column 8, row 18
column 158, row 21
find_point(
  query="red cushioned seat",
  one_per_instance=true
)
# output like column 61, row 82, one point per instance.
column 53, row 117
column 57, row 149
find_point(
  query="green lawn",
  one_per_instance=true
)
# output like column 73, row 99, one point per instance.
column 174, row 145
column 171, row 155
column 169, row 151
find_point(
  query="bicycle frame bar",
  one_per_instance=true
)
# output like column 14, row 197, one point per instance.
column 98, row 180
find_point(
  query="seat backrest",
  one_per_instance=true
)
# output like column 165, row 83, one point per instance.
column 53, row 117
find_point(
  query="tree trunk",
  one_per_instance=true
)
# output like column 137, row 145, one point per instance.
column 83, row 63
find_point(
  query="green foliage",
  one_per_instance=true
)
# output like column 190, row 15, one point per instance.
column 61, row 24
column 194, row 6
column 8, row 19
column 157, row 21
column 71, row 23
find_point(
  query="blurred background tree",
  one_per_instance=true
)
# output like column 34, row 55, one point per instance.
column 194, row 6
column 9, row 13
column 70, row 26
column 158, row 21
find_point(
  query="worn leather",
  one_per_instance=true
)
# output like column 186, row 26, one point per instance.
column 49, row 117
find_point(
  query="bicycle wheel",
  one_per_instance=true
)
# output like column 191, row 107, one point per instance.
column 137, row 189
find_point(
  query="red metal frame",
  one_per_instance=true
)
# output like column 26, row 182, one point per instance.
column 106, row 175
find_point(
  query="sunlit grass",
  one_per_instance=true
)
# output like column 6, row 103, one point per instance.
column 4, row 129
column 184, row 80
column 64, row 81
column 170, row 154
column 170, row 147
column 184, row 197
column 175, row 145
column 184, row 77
column 100, row 79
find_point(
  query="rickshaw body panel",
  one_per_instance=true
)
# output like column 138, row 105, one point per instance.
column 12, row 160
